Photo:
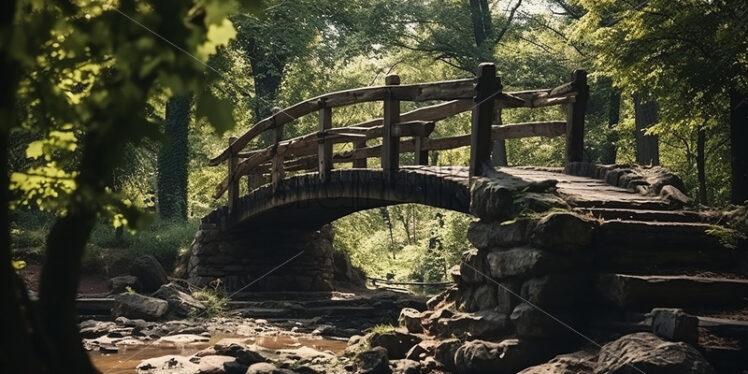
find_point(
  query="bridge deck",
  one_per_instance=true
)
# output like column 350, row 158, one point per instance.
column 575, row 190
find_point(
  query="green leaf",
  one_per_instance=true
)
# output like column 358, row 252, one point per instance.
column 218, row 111
column 18, row 264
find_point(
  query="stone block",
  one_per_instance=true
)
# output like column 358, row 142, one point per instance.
column 560, row 289
column 524, row 262
column 675, row 325
column 487, row 235
column 563, row 232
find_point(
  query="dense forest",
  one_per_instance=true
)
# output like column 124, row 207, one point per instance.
column 110, row 111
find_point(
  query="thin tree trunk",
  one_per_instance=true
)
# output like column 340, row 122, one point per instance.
column 647, row 147
column 738, row 148
column 700, row 164
column 610, row 150
column 267, row 76
column 173, row 159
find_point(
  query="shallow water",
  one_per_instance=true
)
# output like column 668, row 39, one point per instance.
column 128, row 358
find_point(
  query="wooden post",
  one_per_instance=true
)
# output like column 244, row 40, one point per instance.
column 276, row 174
column 498, row 153
column 390, row 144
column 324, row 147
column 361, row 162
column 575, row 119
column 486, row 89
column 421, row 156
column 233, row 189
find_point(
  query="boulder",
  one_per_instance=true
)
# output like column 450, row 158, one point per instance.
column 484, row 296
column 650, row 354
column 506, row 296
column 411, row 320
column 563, row 289
column 405, row 367
column 524, row 262
column 133, row 305
column 345, row 273
column 563, row 232
column 482, row 324
column 373, row 361
column 508, row 234
column 242, row 354
column 121, row 283
column 266, row 368
column 168, row 364
column 151, row 275
column 506, row 357
column 417, row 353
column 529, row 322
column 675, row 325
column 214, row 364
column 445, row 351
column 180, row 302
column 581, row 362
column 473, row 266
column 396, row 343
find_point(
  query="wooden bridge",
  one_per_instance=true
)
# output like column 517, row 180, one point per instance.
column 321, row 182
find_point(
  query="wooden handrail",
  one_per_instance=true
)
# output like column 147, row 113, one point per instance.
column 444, row 90
column 405, row 132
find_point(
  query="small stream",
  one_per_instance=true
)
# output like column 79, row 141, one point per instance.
column 128, row 357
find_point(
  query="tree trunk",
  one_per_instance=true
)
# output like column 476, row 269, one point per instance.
column 738, row 148
column 173, row 160
column 610, row 149
column 700, row 164
column 647, row 147
column 480, row 15
column 267, row 74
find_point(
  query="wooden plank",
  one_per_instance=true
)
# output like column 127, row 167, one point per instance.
column 277, row 174
column 413, row 128
column 390, row 142
column 359, row 162
column 421, row 155
column 233, row 185
column 575, row 119
column 486, row 89
column 324, row 146
column 444, row 90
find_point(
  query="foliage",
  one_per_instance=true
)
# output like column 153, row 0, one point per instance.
column 215, row 301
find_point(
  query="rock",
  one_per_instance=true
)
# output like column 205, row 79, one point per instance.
column 530, row 322
column 182, row 339
column 411, row 320
column 405, row 367
column 168, row 364
column 151, row 275
column 266, row 368
column 396, row 343
column 482, row 324
column 447, row 296
column 473, row 266
column 524, row 262
column 563, row 231
column 121, row 283
column 431, row 319
column 219, row 364
column 445, row 351
column 180, row 303
column 675, row 325
column 675, row 196
column 651, row 355
column 484, row 297
column 554, row 290
column 243, row 354
column 95, row 329
column 506, row 298
column 133, row 305
column 491, row 200
column 345, row 273
column 417, row 353
column 373, row 361
column 506, row 357
column 488, row 235
column 581, row 362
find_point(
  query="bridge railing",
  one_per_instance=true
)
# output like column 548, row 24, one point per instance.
column 404, row 132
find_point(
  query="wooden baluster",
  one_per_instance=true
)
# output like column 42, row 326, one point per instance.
column 276, row 173
column 486, row 88
column 498, row 153
column 575, row 113
column 421, row 156
column 324, row 146
column 390, row 143
column 233, row 190
column 360, row 162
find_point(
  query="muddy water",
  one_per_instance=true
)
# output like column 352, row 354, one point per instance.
column 128, row 357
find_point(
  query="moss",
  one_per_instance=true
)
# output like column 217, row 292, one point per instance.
column 729, row 238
